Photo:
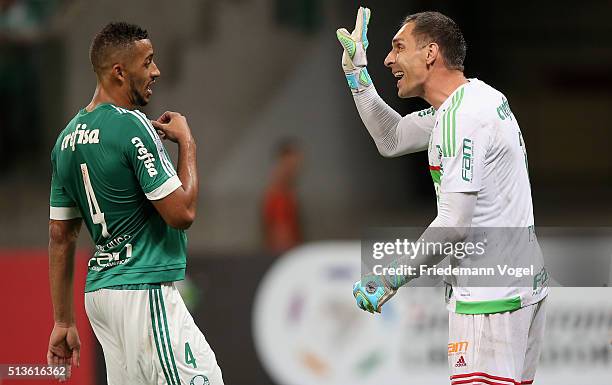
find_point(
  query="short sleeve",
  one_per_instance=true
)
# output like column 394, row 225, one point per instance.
column 61, row 206
column 464, row 146
column 148, row 158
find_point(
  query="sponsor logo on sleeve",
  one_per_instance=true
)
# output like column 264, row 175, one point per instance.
column 428, row 111
column 467, row 161
column 145, row 156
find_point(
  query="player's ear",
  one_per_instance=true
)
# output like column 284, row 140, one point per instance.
column 118, row 72
column 432, row 50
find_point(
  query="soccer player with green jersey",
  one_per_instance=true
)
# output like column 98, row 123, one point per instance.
column 111, row 170
column 477, row 160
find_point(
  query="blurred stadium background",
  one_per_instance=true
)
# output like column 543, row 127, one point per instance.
column 250, row 73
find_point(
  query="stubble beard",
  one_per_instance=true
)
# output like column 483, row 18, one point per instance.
column 137, row 98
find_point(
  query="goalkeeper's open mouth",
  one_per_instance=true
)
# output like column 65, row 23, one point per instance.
column 399, row 75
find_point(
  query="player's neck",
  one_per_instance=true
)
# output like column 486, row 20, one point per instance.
column 102, row 95
column 441, row 85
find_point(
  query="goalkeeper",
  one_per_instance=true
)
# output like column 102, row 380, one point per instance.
column 478, row 163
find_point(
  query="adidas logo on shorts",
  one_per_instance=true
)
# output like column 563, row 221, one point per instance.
column 460, row 362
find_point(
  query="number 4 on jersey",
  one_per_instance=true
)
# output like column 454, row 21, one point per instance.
column 94, row 209
column 189, row 358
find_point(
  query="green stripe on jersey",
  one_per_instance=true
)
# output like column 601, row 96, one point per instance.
column 454, row 123
column 449, row 145
column 446, row 126
column 488, row 307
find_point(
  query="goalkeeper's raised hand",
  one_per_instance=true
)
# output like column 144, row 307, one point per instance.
column 372, row 292
column 354, row 58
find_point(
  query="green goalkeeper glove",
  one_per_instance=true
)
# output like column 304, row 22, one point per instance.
column 354, row 58
column 372, row 292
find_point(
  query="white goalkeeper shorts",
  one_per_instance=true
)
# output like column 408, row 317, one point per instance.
column 496, row 349
column 149, row 337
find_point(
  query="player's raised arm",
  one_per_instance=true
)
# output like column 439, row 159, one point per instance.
column 178, row 209
column 393, row 134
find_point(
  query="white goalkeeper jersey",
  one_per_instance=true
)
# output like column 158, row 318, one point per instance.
column 476, row 145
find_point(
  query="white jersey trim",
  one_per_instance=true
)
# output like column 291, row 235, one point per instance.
column 165, row 189
column 64, row 213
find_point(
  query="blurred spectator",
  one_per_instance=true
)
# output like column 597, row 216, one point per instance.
column 19, row 19
column 281, row 219
column 22, row 27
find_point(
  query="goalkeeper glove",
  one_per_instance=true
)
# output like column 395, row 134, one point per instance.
column 354, row 58
column 372, row 292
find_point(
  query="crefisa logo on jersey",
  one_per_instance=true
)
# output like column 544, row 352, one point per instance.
column 145, row 156
column 429, row 111
column 81, row 135
column 503, row 110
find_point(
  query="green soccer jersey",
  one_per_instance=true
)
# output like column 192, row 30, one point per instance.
column 107, row 165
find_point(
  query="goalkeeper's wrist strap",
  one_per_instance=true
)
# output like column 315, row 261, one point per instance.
column 397, row 280
column 358, row 80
